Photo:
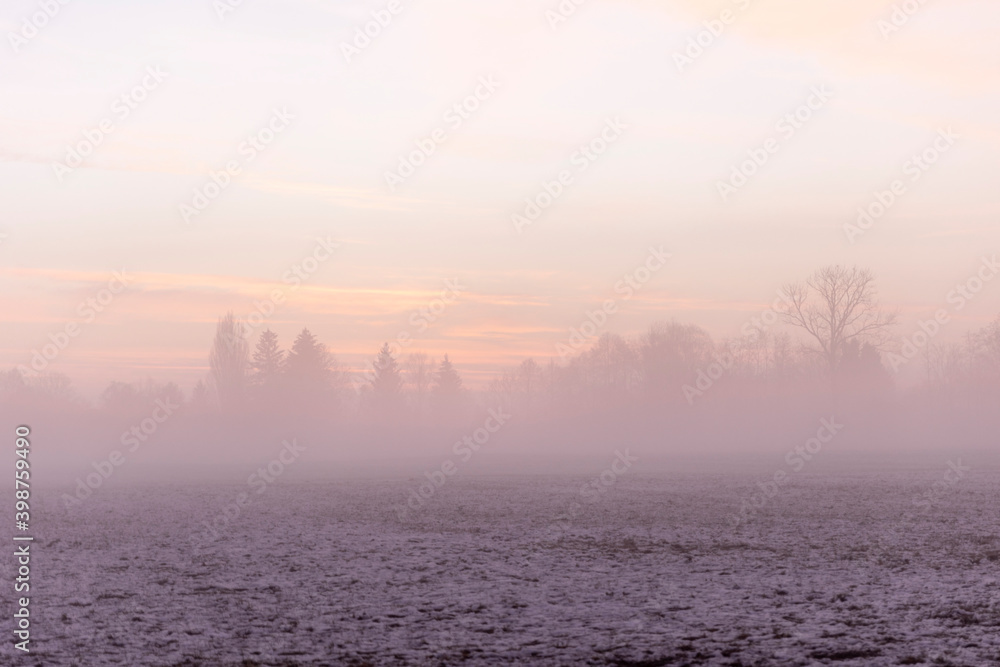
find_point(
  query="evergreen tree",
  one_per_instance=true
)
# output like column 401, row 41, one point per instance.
column 386, row 382
column 448, row 398
column 268, row 361
column 309, row 373
column 447, row 383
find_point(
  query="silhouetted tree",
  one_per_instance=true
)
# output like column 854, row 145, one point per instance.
column 122, row 397
column 610, row 369
column 229, row 362
column 835, row 306
column 56, row 387
column 419, row 376
column 386, row 382
column 448, row 393
column 519, row 389
column 862, row 371
column 983, row 361
column 986, row 348
column 670, row 355
column 12, row 383
column 310, row 374
column 762, row 357
column 502, row 390
column 268, row 365
column 52, row 392
column 132, row 399
column 447, row 382
column 528, row 379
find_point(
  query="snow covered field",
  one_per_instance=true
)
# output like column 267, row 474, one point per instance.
column 842, row 570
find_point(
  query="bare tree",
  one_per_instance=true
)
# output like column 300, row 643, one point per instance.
column 502, row 390
column 518, row 389
column 611, row 368
column 984, row 355
column 837, row 306
column 528, row 379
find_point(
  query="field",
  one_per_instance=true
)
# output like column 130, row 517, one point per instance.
column 834, row 569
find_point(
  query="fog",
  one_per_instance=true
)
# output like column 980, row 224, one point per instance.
column 671, row 398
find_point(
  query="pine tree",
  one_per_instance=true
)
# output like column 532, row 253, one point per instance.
column 308, row 365
column 309, row 372
column 387, row 382
column 447, row 383
column 268, row 361
column 448, row 398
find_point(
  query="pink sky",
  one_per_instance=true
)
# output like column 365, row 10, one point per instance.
column 323, row 175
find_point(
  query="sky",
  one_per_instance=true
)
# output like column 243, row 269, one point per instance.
column 165, row 96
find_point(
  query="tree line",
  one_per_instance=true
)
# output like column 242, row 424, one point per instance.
column 845, row 337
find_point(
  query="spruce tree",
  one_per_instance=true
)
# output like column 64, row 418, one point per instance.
column 308, row 366
column 447, row 383
column 386, row 382
column 448, row 398
column 268, row 360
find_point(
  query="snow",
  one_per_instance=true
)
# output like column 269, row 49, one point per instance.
column 841, row 570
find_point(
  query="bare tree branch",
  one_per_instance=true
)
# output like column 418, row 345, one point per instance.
column 836, row 306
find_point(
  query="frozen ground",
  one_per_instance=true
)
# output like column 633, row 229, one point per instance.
column 839, row 570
